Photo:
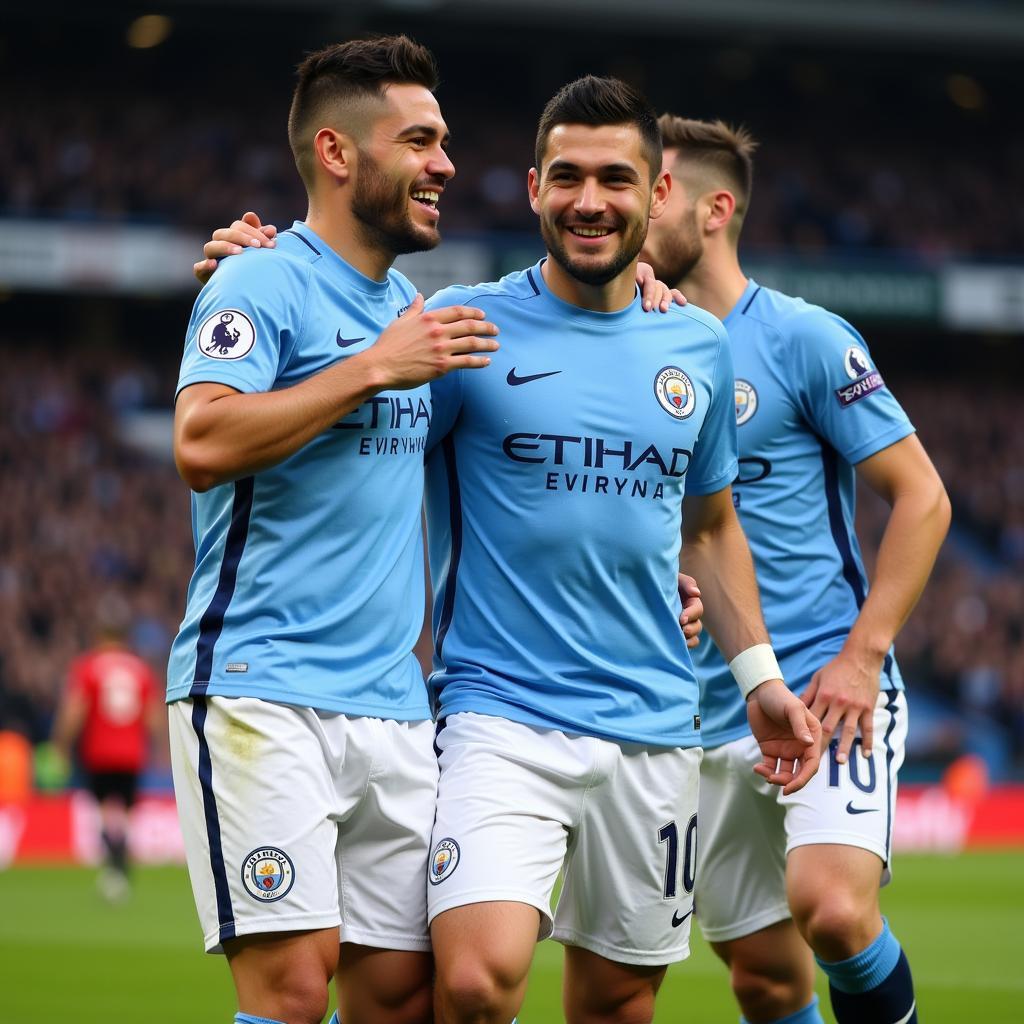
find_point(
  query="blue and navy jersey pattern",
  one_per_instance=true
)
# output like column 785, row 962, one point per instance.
column 308, row 582
column 810, row 405
column 555, row 481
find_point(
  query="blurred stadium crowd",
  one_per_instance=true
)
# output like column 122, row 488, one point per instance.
column 147, row 159
column 92, row 529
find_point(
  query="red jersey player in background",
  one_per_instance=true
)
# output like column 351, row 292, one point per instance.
column 112, row 707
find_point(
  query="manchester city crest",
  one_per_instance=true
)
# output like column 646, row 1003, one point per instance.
column 228, row 334
column 443, row 861
column 856, row 362
column 268, row 874
column 746, row 401
column 674, row 392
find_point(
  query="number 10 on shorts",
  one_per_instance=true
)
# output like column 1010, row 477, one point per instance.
column 670, row 834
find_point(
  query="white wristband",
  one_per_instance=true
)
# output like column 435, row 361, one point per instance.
column 754, row 666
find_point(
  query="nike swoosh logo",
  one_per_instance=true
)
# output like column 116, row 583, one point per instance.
column 345, row 342
column 677, row 920
column 514, row 380
column 850, row 809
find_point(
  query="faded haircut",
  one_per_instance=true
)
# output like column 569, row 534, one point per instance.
column 339, row 82
column 722, row 154
column 597, row 102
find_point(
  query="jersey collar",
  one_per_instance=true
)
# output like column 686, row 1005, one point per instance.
column 743, row 303
column 352, row 277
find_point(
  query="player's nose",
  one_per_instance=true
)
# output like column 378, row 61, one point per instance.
column 441, row 164
column 589, row 201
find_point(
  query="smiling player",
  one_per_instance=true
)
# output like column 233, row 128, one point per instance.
column 300, row 725
column 557, row 484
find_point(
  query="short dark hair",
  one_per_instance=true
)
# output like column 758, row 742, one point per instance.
column 602, row 101
column 727, row 153
column 358, row 69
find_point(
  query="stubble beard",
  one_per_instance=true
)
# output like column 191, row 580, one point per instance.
column 680, row 250
column 590, row 273
column 381, row 205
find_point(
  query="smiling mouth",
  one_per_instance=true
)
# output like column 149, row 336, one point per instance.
column 588, row 232
column 426, row 197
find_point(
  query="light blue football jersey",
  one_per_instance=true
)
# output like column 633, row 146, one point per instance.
column 810, row 404
column 554, row 489
column 308, row 584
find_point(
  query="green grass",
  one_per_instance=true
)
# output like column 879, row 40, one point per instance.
column 67, row 957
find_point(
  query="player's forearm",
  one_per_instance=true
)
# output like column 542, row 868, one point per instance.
column 913, row 535
column 234, row 435
column 719, row 559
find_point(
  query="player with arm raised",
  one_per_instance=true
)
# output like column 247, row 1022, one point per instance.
column 301, row 737
column 558, row 485
column 813, row 413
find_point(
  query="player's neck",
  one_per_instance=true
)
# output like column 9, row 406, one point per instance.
column 340, row 230
column 715, row 283
column 601, row 298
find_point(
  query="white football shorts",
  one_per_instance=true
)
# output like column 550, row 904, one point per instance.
column 747, row 827
column 297, row 819
column 516, row 804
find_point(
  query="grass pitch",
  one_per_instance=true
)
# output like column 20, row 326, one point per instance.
column 66, row 956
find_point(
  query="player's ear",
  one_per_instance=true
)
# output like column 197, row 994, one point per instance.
column 533, row 187
column 659, row 193
column 721, row 207
column 335, row 153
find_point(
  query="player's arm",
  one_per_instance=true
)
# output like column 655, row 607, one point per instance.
column 68, row 723
column 221, row 434
column 715, row 551
column 843, row 692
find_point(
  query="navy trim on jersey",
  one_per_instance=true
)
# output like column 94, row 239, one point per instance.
column 455, row 513
column 289, row 231
column 753, row 295
column 533, row 284
column 890, row 706
column 212, row 622
column 830, row 464
column 225, row 912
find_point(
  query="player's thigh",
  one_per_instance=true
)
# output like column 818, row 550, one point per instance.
column 505, row 801
column 256, row 804
column 384, row 986
column 283, row 976
column 834, row 888
column 741, row 837
column 853, row 804
column 383, row 845
column 629, row 877
column 596, row 990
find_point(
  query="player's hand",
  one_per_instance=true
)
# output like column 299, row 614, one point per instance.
column 655, row 293
column 787, row 733
column 843, row 695
column 693, row 609
column 420, row 347
column 247, row 232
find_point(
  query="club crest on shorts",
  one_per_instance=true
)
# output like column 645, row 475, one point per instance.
column 268, row 874
column 856, row 362
column 228, row 334
column 674, row 392
column 443, row 861
column 746, row 401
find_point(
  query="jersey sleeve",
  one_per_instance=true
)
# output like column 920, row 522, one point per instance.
column 245, row 323
column 714, row 463
column 842, row 392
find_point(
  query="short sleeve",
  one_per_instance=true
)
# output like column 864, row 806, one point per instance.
column 842, row 393
column 714, row 464
column 244, row 322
